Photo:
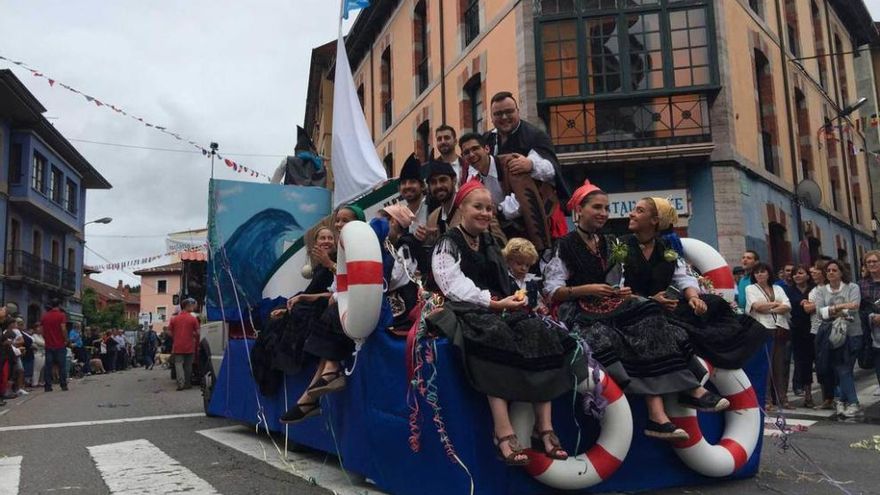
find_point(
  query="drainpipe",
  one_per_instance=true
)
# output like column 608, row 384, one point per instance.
column 442, row 66
column 841, row 104
column 795, row 204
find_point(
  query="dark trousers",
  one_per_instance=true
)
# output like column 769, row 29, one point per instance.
column 56, row 357
column 779, row 369
column 804, row 352
column 110, row 363
column 82, row 355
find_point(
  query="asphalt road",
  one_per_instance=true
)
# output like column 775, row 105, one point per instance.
column 129, row 406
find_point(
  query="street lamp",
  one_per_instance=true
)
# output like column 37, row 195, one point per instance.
column 100, row 220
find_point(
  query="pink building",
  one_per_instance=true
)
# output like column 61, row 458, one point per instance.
column 159, row 285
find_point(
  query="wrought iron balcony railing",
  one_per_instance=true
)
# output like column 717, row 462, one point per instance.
column 68, row 280
column 621, row 124
column 51, row 274
column 23, row 264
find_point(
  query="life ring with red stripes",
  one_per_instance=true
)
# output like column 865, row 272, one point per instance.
column 600, row 461
column 359, row 279
column 711, row 265
column 743, row 426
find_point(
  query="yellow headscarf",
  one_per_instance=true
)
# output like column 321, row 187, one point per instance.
column 666, row 213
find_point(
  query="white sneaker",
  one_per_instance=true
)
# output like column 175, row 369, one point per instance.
column 852, row 411
column 22, row 392
column 840, row 407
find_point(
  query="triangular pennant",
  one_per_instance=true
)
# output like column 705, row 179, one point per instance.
column 52, row 83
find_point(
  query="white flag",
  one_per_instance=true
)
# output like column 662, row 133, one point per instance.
column 356, row 166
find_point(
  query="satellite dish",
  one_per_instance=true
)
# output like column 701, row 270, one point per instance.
column 809, row 193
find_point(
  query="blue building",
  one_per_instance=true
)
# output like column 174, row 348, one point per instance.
column 43, row 183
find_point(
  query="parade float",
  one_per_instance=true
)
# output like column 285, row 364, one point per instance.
column 408, row 419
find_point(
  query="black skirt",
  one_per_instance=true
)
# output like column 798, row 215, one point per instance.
column 722, row 337
column 513, row 356
column 643, row 350
column 327, row 340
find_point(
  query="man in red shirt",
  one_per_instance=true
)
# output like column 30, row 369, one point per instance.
column 184, row 329
column 54, row 324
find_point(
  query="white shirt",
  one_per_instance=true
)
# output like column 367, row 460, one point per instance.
column 754, row 294
column 421, row 216
column 446, row 265
column 404, row 265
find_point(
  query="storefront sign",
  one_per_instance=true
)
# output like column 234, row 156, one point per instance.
column 621, row 204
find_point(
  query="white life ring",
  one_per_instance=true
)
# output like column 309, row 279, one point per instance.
column 600, row 461
column 743, row 426
column 711, row 265
column 359, row 278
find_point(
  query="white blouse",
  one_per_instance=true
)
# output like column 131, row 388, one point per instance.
column 754, row 294
column 455, row 286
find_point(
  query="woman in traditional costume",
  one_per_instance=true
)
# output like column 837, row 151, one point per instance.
column 630, row 333
column 402, row 281
column 508, row 355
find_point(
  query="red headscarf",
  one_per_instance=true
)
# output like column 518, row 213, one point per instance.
column 580, row 193
column 468, row 187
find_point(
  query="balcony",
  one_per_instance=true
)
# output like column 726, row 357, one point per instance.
column 24, row 266
column 622, row 124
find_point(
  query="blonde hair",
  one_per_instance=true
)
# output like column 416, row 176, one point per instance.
column 874, row 252
column 518, row 247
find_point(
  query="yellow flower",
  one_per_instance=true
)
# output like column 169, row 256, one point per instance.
column 670, row 255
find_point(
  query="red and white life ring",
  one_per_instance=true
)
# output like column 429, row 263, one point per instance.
column 359, row 279
column 743, row 426
column 600, row 461
column 711, row 264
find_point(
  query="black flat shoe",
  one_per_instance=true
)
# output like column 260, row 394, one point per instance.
column 707, row 402
column 665, row 431
column 300, row 412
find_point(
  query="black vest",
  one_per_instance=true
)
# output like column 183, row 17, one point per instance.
column 583, row 266
column 647, row 277
column 486, row 267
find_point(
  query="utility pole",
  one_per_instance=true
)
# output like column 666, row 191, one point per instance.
column 214, row 146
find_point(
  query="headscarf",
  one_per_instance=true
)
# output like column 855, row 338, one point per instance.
column 580, row 193
column 401, row 213
column 358, row 212
column 468, row 187
column 667, row 216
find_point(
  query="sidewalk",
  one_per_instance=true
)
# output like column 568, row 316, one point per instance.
column 866, row 386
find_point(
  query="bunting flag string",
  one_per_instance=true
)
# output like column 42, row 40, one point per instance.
column 237, row 167
column 138, row 262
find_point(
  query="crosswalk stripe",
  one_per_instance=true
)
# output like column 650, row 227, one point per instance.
column 139, row 467
column 312, row 467
column 10, row 473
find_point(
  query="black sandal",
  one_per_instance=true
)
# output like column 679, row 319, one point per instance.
column 515, row 451
column 707, row 402
column 666, row 431
column 300, row 412
column 332, row 381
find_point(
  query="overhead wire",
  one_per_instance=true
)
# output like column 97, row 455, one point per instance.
column 171, row 150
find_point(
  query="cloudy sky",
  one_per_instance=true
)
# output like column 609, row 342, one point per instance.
column 227, row 71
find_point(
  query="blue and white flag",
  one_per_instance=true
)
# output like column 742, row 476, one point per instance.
column 349, row 5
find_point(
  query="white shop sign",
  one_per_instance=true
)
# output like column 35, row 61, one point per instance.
column 621, row 204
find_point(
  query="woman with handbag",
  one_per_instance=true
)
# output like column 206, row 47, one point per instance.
column 827, row 380
column 839, row 303
column 767, row 303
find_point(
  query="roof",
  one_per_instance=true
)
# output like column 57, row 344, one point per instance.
column 857, row 19
column 193, row 256
column 162, row 269
column 369, row 23
column 26, row 112
column 111, row 293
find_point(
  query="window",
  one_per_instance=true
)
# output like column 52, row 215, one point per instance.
column 71, row 259
column 804, row 134
column 38, row 172
column 162, row 287
column 160, row 312
column 474, row 91
column 470, row 21
column 623, row 48
column 37, row 244
column 840, row 61
column 420, row 45
column 15, row 164
column 792, row 28
column 388, row 161
column 14, row 234
column 385, row 76
column 757, row 7
column 360, row 93
column 423, row 148
column 56, row 252
column 55, row 183
column 70, row 196
column 766, row 112
column 819, row 40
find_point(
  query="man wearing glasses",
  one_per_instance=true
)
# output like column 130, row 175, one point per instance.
column 525, row 151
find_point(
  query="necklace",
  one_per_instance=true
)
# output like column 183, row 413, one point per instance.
column 472, row 240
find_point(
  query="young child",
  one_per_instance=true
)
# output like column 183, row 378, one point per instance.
column 520, row 254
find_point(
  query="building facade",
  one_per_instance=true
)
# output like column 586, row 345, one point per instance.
column 107, row 295
column 160, row 289
column 43, row 184
column 867, row 69
column 729, row 105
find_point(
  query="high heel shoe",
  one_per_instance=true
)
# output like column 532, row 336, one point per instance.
column 515, row 451
column 556, row 451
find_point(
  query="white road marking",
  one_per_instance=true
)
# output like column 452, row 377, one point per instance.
column 794, row 426
column 99, row 422
column 139, row 467
column 312, row 467
column 10, row 473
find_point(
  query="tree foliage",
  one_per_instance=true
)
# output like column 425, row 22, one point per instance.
column 112, row 316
